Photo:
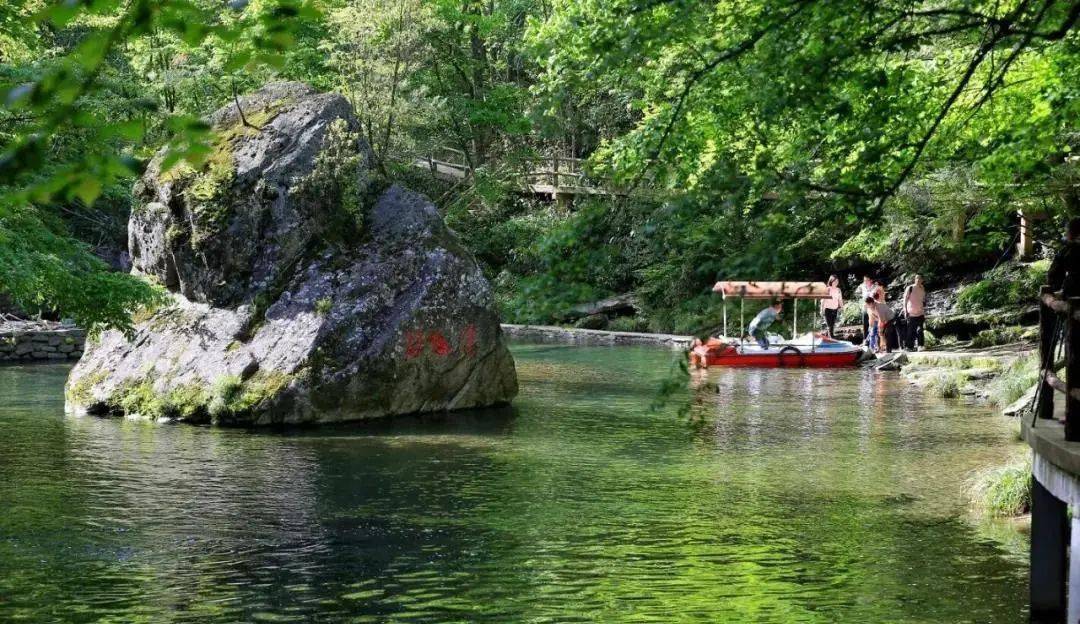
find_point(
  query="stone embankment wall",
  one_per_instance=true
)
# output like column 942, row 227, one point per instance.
column 549, row 334
column 23, row 344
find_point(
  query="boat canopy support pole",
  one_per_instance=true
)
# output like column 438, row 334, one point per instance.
column 742, row 321
column 725, row 317
column 795, row 321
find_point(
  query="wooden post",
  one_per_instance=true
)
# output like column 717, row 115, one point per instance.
column 555, row 173
column 1072, row 372
column 1049, row 542
column 1025, row 246
column 1047, row 324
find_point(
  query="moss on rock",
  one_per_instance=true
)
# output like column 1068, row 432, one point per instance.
column 208, row 187
column 337, row 187
column 140, row 398
column 232, row 398
column 79, row 393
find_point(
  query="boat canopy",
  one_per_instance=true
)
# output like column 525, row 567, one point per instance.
column 768, row 290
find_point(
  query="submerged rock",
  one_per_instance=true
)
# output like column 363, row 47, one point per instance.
column 301, row 288
column 892, row 361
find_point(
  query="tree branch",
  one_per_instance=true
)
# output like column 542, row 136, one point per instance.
column 980, row 55
column 737, row 50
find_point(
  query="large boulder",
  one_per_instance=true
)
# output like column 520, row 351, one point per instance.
column 301, row 287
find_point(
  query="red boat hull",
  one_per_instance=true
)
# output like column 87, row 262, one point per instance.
column 831, row 354
column 784, row 360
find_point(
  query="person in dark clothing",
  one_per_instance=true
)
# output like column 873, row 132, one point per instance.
column 832, row 306
column 1064, row 274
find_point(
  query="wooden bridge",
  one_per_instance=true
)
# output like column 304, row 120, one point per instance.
column 557, row 177
column 1054, row 436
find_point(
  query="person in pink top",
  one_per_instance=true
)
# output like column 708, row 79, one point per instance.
column 915, row 311
column 831, row 307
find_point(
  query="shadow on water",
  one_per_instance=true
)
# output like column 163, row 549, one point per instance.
column 787, row 496
column 496, row 420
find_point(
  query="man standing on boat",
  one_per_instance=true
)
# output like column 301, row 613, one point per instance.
column 759, row 327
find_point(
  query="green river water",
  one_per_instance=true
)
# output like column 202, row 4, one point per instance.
column 784, row 496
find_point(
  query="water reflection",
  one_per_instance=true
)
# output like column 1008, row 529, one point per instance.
column 787, row 496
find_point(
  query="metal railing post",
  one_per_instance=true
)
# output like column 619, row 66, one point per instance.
column 1047, row 325
column 1072, row 371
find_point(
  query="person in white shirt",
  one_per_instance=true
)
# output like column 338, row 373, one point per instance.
column 866, row 290
column 831, row 307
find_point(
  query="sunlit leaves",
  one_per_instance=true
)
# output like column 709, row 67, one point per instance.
column 74, row 129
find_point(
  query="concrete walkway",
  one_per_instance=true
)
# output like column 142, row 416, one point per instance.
column 1019, row 349
column 550, row 334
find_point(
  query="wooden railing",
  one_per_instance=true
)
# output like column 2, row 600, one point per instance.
column 1054, row 313
column 557, row 171
column 447, row 158
column 547, row 174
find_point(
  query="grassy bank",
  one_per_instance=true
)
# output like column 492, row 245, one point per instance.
column 1002, row 491
column 997, row 380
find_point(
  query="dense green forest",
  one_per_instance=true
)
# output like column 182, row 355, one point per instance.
column 764, row 139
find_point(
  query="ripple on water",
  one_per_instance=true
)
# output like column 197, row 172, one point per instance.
column 785, row 496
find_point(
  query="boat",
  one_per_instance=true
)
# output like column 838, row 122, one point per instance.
column 810, row 350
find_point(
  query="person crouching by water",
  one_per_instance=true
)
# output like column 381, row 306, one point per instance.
column 831, row 306
column 883, row 331
column 915, row 312
column 759, row 327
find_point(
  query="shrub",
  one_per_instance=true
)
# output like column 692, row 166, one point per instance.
column 628, row 324
column 851, row 314
column 998, row 336
column 946, row 383
column 593, row 321
column 1010, row 284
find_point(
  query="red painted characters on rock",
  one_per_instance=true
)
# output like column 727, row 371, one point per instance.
column 414, row 344
column 417, row 342
column 468, row 340
column 439, row 345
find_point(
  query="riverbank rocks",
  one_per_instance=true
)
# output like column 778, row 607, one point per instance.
column 302, row 287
